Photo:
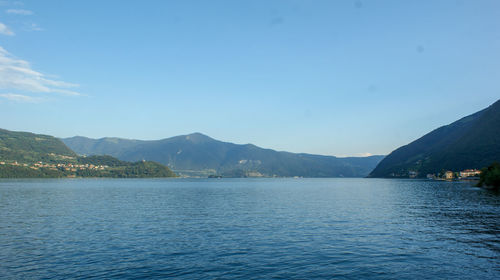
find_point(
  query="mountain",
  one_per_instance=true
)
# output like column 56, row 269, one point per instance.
column 30, row 147
column 109, row 145
column 199, row 155
column 471, row 142
column 29, row 155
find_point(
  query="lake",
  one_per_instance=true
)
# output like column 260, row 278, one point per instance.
column 248, row 229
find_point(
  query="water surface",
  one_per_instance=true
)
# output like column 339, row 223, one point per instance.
column 248, row 229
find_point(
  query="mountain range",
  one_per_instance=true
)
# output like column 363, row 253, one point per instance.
column 199, row 155
column 472, row 142
column 29, row 155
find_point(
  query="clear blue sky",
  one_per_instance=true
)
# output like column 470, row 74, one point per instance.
column 327, row 77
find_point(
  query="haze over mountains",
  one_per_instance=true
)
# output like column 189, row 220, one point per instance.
column 199, row 155
column 471, row 142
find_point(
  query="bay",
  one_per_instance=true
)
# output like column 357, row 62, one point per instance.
column 248, row 229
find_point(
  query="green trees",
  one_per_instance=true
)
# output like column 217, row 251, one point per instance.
column 490, row 176
column 10, row 171
column 101, row 160
column 29, row 155
column 140, row 169
column 30, row 147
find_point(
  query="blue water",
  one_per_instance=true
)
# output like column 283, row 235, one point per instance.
column 248, row 229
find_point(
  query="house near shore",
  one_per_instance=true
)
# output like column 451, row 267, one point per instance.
column 448, row 175
column 470, row 173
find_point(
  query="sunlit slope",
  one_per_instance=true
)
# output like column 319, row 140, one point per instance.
column 30, row 147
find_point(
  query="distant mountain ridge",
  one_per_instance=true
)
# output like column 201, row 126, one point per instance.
column 199, row 155
column 471, row 142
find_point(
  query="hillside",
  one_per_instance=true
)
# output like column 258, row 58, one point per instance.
column 29, row 155
column 471, row 142
column 121, row 169
column 30, row 147
column 111, row 146
column 199, row 155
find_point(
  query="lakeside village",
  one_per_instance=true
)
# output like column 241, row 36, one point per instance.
column 468, row 174
column 59, row 166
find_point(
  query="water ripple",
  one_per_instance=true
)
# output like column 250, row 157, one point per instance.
column 248, row 229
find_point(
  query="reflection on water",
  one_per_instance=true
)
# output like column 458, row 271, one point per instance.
column 248, row 228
